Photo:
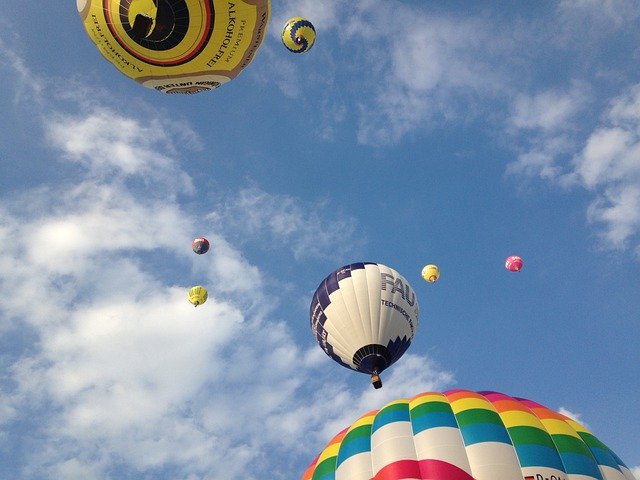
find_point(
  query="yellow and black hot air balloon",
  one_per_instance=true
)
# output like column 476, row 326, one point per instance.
column 177, row 46
column 298, row 35
column 198, row 295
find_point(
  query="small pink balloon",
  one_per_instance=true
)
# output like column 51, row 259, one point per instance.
column 513, row 263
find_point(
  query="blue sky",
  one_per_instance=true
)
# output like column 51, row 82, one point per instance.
column 413, row 132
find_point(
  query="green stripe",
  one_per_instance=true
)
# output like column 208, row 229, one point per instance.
column 568, row 443
column 477, row 415
column 326, row 467
column 430, row 407
column 393, row 408
column 527, row 435
column 361, row 431
column 592, row 441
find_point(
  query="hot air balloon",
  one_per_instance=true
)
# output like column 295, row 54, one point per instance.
column 298, row 35
column 364, row 316
column 177, row 46
column 464, row 435
column 200, row 245
column 513, row 263
column 198, row 295
column 431, row 273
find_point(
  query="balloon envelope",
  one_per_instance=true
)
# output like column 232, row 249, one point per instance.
column 464, row 435
column 298, row 35
column 200, row 245
column 364, row 316
column 514, row 263
column 197, row 295
column 431, row 273
column 177, row 46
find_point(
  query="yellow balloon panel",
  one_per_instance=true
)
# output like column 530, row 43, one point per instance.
column 177, row 46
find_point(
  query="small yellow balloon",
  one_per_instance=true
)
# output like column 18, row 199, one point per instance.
column 198, row 295
column 431, row 273
column 298, row 35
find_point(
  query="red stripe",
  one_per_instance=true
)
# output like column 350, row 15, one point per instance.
column 398, row 470
column 421, row 470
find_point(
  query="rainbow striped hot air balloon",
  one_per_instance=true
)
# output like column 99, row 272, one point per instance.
column 464, row 435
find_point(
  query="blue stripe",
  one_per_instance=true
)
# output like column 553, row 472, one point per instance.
column 336, row 358
column 316, row 311
column 617, row 459
column 485, row 432
column 397, row 348
column 433, row 420
column 389, row 416
column 330, row 285
column 580, row 464
column 300, row 24
column 354, row 447
column 532, row 455
column 604, row 457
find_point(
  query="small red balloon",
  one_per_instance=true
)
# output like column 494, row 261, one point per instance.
column 513, row 263
column 200, row 245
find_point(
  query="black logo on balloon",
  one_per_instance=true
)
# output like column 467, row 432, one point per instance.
column 171, row 24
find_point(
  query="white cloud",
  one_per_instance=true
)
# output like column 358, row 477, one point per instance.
column 418, row 374
column 411, row 68
column 421, row 73
column 124, row 369
column 600, row 161
column 612, row 152
column 542, row 159
column 311, row 231
column 636, row 472
column 118, row 373
column 607, row 163
column 108, row 143
column 548, row 110
column 418, row 68
column 572, row 415
column 27, row 84
column 616, row 11
column 618, row 208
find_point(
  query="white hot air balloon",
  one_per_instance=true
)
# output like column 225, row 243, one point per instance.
column 364, row 316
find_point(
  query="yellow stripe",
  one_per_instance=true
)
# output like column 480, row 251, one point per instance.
column 330, row 451
column 518, row 418
column 470, row 403
column 559, row 427
column 431, row 397
column 366, row 420
column 578, row 427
